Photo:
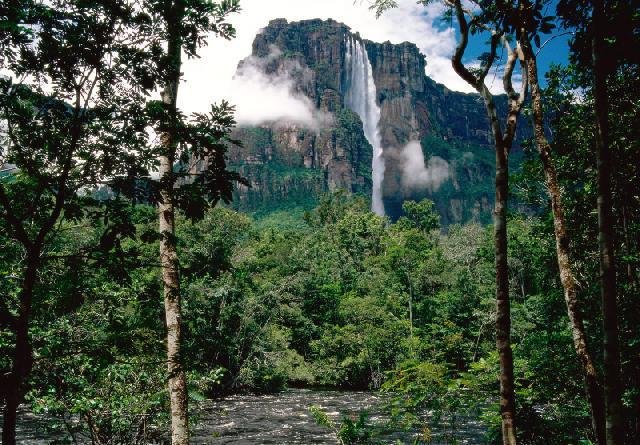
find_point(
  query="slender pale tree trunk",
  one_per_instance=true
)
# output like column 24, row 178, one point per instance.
column 171, row 281
column 593, row 389
column 612, row 375
column 177, row 382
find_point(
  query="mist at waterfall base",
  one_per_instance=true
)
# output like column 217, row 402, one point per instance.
column 418, row 174
column 360, row 96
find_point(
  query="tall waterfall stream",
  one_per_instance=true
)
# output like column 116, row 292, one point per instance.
column 360, row 96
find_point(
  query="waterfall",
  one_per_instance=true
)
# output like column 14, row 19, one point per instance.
column 360, row 97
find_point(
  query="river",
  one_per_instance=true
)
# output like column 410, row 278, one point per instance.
column 281, row 418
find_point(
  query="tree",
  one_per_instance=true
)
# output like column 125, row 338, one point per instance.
column 612, row 378
column 605, row 41
column 71, row 121
column 470, row 22
column 528, row 27
column 421, row 215
column 204, row 138
column 81, row 122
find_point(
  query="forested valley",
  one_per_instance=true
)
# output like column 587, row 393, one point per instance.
column 134, row 290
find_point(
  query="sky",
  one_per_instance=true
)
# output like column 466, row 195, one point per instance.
column 210, row 78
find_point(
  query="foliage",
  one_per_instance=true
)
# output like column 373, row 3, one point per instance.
column 350, row 431
column 76, row 116
column 267, row 307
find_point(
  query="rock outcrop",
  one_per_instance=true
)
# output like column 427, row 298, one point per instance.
column 291, row 165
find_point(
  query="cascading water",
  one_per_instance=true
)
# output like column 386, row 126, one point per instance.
column 360, row 96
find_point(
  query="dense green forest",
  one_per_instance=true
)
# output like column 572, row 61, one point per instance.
column 131, row 292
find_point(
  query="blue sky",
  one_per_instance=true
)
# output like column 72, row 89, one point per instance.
column 555, row 51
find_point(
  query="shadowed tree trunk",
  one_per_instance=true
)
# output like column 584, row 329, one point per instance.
column 503, row 306
column 177, row 382
column 22, row 353
column 593, row 388
column 22, row 360
column 612, row 377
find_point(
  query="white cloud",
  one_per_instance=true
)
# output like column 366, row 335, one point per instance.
column 210, row 78
column 272, row 98
column 494, row 79
column 417, row 173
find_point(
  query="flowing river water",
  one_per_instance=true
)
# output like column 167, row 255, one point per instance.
column 283, row 418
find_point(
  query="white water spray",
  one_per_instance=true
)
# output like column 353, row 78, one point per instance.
column 360, row 96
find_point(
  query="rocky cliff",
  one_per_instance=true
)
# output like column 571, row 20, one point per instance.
column 289, row 164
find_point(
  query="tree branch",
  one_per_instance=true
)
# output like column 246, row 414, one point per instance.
column 495, row 38
column 516, row 100
column 553, row 38
column 456, row 60
column 508, row 70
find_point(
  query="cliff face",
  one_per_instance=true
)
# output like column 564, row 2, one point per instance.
column 290, row 165
column 414, row 107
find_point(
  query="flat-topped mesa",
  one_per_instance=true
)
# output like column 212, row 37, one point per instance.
column 298, row 164
column 398, row 70
column 337, row 75
column 293, row 163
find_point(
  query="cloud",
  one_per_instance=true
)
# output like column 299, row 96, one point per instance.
column 273, row 98
column 417, row 174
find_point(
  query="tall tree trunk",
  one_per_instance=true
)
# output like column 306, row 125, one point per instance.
column 612, row 375
column 503, row 306
column 171, row 282
column 23, row 354
column 503, row 303
column 177, row 381
column 503, row 145
column 593, row 389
